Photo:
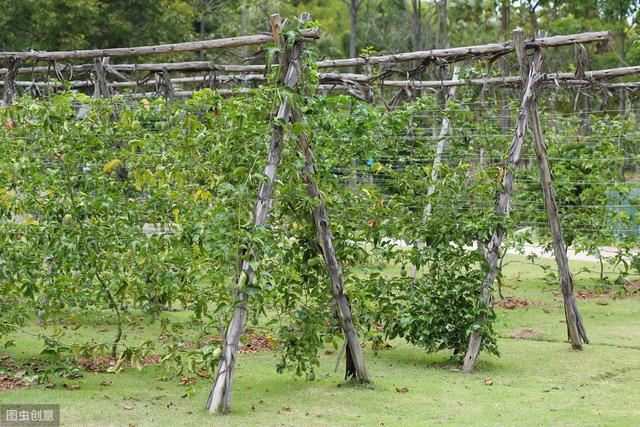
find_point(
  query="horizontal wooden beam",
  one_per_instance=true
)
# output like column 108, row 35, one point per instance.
column 342, row 79
column 151, row 50
column 460, row 53
column 590, row 77
column 78, row 84
column 445, row 54
column 157, row 67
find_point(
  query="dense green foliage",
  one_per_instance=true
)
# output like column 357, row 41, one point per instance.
column 110, row 208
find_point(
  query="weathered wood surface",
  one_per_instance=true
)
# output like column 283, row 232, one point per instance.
column 561, row 78
column 153, row 67
column 152, row 50
column 101, row 87
column 575, row 326
column 460, row 53
column 446, row 54
column 595, row 78
column 356, row 367
column 492, row 250
column 220, row 397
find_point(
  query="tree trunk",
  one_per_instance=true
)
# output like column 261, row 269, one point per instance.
column 202, row 34
column 220, row 396
column 443, row 24
column 10, row 90
column 353, row 20
column 416, row 25
column 356, row 367
column 492, row 252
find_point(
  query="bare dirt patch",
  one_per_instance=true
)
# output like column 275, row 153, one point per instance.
column 513, row 303
column 100, row 364
column 524, row 333
column 9, row 382
column 249, row 343
column 607, row 294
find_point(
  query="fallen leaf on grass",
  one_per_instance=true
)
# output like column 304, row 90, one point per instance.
column 162, row 378
column 128, row 408
column 106, row 383
column 71, row 386
column 329, row 351
column 488, row 381
column 602, row 302
column 402, row 389
column 187, row 381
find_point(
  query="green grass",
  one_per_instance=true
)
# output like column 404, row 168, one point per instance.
column 535, row 382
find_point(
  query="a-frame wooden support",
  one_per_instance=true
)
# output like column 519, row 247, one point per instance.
column 528, row 115
column 575, row 327
column 220, row 397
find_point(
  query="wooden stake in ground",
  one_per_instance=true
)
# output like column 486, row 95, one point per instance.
column 492, row 252
column 575, row 327
column 220, row 396
column 356, row 367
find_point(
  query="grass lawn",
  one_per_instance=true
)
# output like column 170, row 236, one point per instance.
column 538, row 381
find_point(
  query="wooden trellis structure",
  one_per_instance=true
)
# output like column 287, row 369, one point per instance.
column 531, row 78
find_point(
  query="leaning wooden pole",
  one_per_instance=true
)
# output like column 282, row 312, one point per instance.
column 575, row 327
column 445, row 128
column 220, row 397
column 356, row 368
column 492, row 252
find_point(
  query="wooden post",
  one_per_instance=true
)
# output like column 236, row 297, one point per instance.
column 575, row 327
column 10, row 90
column 220, row 396
column 356, row 367
column 166, row 86
column 445, row 127
column 492, row 251
column 101, row 89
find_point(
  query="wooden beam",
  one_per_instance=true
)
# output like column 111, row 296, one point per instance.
column 446, row 54
column 151, row 50
column 460, row 53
